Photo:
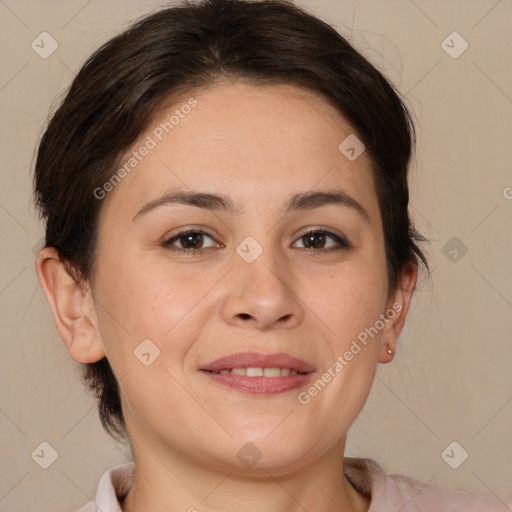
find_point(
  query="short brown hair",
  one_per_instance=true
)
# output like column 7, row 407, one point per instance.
column 186, row 47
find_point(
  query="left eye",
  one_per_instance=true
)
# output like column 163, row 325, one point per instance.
column 317, row 237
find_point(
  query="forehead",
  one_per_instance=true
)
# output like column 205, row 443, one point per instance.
column 253, row 142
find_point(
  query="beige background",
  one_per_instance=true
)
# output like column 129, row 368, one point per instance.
column 451, row 378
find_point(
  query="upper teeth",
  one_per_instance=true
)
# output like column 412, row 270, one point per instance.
column 261, row 372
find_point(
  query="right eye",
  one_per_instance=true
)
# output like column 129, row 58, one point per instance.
column 190, row 241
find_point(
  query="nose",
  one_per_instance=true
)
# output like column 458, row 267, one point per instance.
column 261, row 294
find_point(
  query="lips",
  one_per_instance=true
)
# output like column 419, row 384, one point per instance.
column 259, row 374
column 241, row 360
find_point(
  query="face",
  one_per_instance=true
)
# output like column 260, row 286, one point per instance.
column 258, row 272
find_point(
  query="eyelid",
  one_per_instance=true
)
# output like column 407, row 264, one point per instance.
column 185, row 231
column 193, row 228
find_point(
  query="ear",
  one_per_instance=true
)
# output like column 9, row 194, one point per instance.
column 396, row 312
column 73, row 309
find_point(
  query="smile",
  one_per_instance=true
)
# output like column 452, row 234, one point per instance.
column 260, row 372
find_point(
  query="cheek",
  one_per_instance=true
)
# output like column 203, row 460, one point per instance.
column 141, row 300
column 350, row 351
column 349, row 298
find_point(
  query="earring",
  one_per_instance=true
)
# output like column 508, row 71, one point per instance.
column 390, row 352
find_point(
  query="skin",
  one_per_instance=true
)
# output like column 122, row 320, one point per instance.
column 258, row 145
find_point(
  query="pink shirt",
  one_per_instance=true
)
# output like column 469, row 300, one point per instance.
column 391, row 493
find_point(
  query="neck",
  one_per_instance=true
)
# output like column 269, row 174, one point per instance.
column 179, row 485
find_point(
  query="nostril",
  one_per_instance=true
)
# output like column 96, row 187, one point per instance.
column 245, row 316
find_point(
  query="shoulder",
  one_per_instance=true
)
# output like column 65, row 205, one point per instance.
column 419, row 496
column 393, row 492
column 89, row 507
column 113, row 486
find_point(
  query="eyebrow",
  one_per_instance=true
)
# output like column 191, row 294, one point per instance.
column 218, row 202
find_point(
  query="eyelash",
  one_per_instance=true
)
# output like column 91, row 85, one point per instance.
column 344, row 244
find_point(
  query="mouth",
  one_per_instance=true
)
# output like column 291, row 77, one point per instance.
column 257, row 373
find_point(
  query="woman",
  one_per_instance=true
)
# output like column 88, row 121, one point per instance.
column 229, row 254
